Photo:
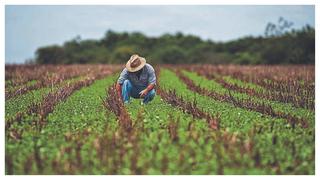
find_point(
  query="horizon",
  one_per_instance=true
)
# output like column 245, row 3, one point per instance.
column 24, row 34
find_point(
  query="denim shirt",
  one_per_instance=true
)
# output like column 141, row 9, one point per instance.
column 147, row 77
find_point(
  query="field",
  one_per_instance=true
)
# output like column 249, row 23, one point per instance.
column 205, row 119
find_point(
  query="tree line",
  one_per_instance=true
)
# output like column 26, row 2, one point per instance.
column 277, row 46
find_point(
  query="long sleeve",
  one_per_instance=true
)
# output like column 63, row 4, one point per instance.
column 123, row 76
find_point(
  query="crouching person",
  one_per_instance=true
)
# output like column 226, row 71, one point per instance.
column 137, row 80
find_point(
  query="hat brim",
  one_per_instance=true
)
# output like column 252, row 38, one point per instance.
column 130, row 69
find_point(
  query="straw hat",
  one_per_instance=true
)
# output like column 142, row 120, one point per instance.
column 135, row 63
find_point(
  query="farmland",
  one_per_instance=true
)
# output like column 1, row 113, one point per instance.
column 205, row 119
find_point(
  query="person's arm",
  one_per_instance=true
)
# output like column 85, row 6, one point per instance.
column 151, row 80
column 146, row 90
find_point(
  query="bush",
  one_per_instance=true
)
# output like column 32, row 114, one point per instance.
column 171, row 55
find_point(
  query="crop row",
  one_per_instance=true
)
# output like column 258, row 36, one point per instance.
column 270, row 138
column 114, row 103
column 53, row 76
column 83, row 109
column 287, row 108
column 292, row 80
column 17, row 133
column 48, row 102
column 297, row 101
column 281, row 107
column 242, row 103
column 171, row 98
column 92, row 132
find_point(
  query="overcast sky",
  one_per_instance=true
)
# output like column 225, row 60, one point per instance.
column 30, row 27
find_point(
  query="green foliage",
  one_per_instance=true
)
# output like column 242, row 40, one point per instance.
column 122, row 54
column 50, row 55
column 278, row 106
column 275, row 140
column 82, row 111
column 245, row 58
column 291, row 47
column 228, row 111
column 171, row 55
column 81, row 136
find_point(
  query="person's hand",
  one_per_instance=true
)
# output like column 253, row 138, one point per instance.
column 143, row 92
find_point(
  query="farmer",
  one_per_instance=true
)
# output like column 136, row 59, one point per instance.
column 137, row 80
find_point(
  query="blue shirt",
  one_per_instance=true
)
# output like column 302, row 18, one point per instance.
column 147, row 77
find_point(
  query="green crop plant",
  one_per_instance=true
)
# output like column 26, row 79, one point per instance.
column 82, row 132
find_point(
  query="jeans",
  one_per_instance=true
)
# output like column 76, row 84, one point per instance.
column 130, row 91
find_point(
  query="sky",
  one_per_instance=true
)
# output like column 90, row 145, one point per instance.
column 30, row 27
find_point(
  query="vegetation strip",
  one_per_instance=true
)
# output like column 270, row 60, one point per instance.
column 287, row 108
column 297, row 101
column 274, row 79
column 191, row 108
column 243, row 103
column 51, row 99
column 82, row 136
column 14, row 73
column 45, row 79
column 69, row 131
column 114, row 103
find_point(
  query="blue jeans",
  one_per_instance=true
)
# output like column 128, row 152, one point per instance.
column 130, row 91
